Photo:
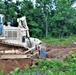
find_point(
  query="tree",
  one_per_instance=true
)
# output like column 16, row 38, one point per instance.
column 2, row 7
column 63, row 18
column 45, row 6
column 48, row 17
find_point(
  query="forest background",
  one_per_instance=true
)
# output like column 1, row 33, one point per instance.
column 54, row 18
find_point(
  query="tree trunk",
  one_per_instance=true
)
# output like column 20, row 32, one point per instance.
column 46, row 25
column 62, row 35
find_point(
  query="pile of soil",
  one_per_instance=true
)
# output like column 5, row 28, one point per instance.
column 8, row 65
column 53, row 51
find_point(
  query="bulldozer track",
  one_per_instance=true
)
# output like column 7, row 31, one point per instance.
column 12, row 51
column 8, row 46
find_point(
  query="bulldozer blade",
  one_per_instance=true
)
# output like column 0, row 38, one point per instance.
column 13, row 56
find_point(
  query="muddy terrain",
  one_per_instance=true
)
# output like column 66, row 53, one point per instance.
column 60, row 50
column 53, row 51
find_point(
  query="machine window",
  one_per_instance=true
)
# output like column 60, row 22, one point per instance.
column 0, row 27
column 23, row 39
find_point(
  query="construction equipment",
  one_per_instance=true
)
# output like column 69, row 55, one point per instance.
column 15, row 42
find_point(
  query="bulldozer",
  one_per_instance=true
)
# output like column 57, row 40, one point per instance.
column 15, row 42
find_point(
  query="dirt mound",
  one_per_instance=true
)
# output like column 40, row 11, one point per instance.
column 8, row 65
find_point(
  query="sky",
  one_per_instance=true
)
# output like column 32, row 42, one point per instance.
column 21, row 0
column 74, row 5
column 15, row 0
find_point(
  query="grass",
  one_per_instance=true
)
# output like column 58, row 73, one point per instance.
column 52, row 40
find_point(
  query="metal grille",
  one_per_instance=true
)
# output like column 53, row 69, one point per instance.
column 14, row 33
column 6, row 33
column 11, row 34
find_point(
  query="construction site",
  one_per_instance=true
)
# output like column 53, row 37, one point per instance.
column 17, row 48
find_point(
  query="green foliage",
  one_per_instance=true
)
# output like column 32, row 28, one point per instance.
column 15, row 72
column 26, row 70
column 53, row 40
column 63, row 18
column 72, row 58
column 1, row 72
column 67, row 66
column 49, row 72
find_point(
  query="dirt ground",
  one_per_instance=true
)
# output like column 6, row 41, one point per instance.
column 59, row 50
column 8, row 65
column 53, row 51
